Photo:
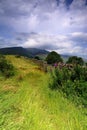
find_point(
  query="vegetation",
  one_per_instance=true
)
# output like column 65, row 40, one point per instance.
column 75, row 60
column 27, row 103
column 37, row 57
column 6, row 68
column 73, row 83
column 53, row 57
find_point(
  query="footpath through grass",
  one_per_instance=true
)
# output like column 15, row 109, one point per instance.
column 27, row 103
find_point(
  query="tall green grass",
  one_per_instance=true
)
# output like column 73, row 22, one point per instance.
column 29, row 104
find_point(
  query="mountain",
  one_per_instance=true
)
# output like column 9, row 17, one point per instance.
column 15, row 51
column 28, row 52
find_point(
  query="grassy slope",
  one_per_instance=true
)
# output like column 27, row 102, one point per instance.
column 26, row 102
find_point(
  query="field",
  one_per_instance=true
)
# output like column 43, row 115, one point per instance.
column 27, row 102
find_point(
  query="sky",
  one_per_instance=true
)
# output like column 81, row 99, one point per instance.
column 59, row 25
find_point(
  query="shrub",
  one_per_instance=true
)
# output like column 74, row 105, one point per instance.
column 57, row 77
column 53, row 57
column 6, row 68
column 37, row 57
column 75, row 60
column 73, row 83
column 79, row 73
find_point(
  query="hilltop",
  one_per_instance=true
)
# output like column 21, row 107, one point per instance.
column 28, row 52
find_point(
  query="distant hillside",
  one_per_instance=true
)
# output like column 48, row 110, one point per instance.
column 15, row 51
column 28, row 52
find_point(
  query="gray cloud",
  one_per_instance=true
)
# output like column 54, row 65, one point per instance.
column 37, row 15
column 59, row 24
column 64, row 44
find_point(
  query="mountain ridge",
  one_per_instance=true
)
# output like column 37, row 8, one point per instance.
column 29, row 52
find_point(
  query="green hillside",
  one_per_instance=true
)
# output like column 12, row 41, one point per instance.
column 27, row 103
column 27, row 52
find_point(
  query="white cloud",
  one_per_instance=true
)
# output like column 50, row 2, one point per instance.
column 64, row 44
column 40, row 40
column 79, row 35
column 25, row 24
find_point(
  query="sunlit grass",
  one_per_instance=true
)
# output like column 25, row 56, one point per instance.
column 29, row 104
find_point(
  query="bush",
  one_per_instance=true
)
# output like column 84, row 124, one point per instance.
column 6, row 68
column 37, row 58
column 79, row 73
column 75, row 60
column 73, row 83
column 53, row 57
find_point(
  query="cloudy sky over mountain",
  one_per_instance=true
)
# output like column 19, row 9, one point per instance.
column 59, row 25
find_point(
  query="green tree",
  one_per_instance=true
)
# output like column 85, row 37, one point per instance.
column 53, row 57
column 75, row 60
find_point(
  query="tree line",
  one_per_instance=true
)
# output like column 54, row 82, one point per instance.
column 54, row 57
